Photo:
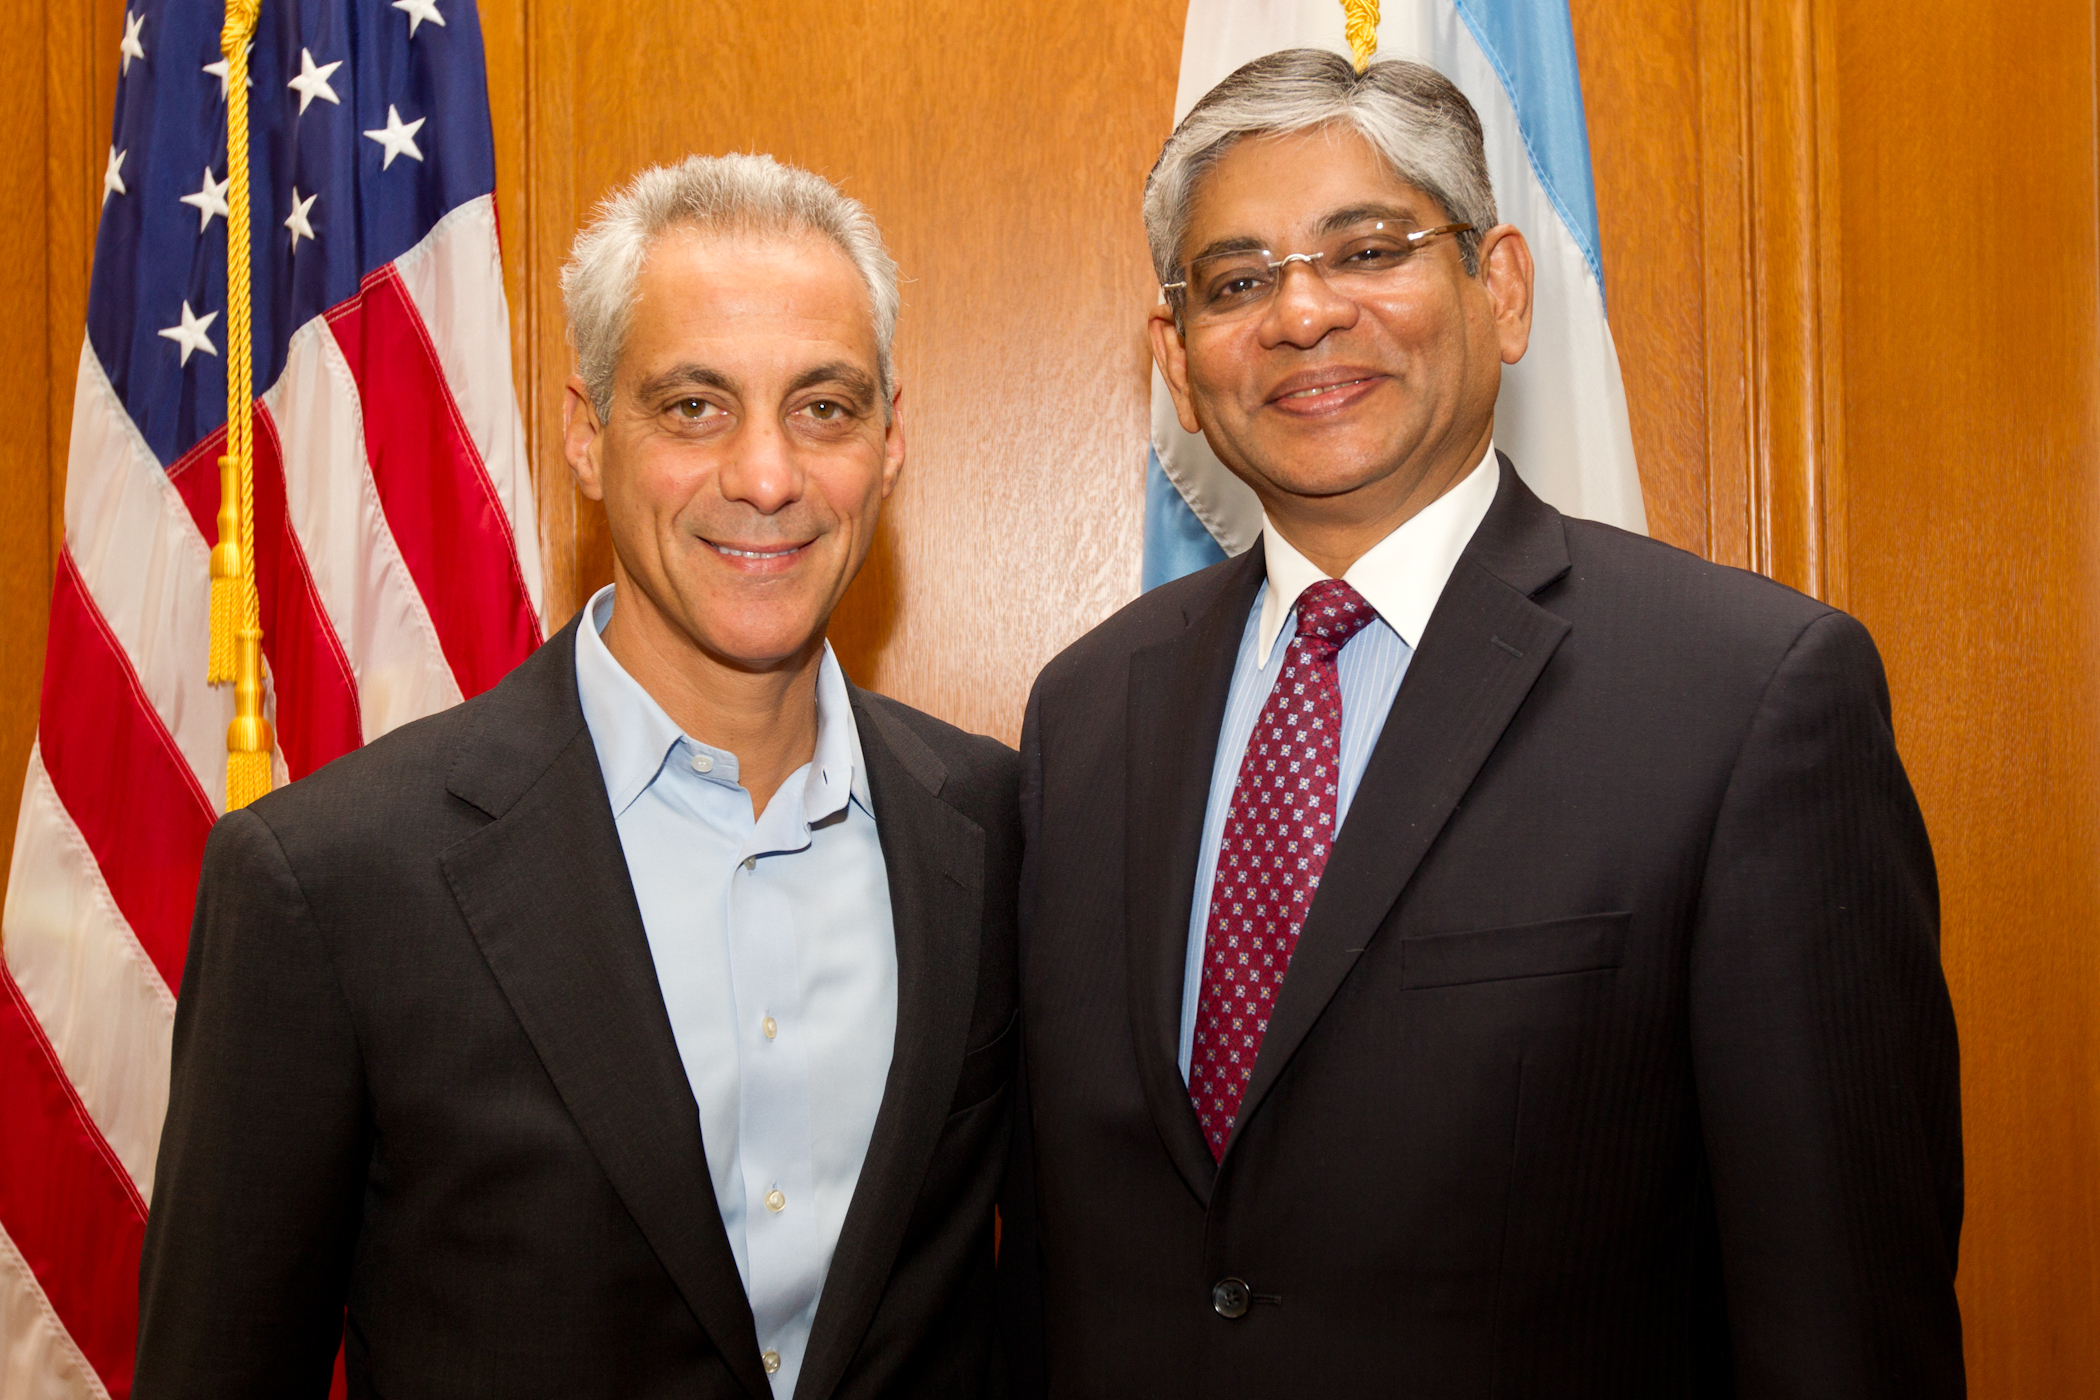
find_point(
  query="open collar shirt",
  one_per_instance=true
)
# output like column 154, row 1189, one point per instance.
column 1401, row 577
column 777, row 959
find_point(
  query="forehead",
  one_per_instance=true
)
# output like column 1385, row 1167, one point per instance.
column 749, row 297
column 1274, row 188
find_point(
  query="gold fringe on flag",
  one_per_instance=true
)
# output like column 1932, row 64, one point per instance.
column 1360, row 22
column 236, row 607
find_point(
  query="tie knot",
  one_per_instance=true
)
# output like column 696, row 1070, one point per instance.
column 1332, row 612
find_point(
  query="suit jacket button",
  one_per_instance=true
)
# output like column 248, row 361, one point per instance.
column 1229, row 1297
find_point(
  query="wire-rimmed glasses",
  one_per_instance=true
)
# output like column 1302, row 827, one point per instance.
column 1359, row 261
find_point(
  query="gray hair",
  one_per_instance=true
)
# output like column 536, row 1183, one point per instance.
column 732, row 194
column 1411, row 114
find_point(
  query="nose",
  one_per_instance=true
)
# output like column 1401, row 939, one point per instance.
column 763, row 472
column 1305, row 308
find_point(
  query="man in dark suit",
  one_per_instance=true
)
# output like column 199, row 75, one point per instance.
column 1562, row 1020
column 645, row 1026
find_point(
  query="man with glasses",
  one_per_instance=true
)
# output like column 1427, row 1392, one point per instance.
column 1465, row 950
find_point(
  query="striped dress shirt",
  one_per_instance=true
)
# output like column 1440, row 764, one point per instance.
column 1401, row 576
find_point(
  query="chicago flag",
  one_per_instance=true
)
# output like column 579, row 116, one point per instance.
column 395, row 554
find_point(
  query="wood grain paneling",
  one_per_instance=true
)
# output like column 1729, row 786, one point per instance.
column 1971, row 381
column 1641, row 84
column 25, row 525
column 1003, row 150
column 56, row 110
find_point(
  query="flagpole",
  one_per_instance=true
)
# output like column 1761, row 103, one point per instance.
column 236, row 605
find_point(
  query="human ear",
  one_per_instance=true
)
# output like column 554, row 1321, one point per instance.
column 893, row 445
column 582, row 437
column 1171, row 353
column 1506, row 273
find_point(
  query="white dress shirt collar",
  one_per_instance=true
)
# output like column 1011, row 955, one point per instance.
column 1401, row 576
column 635, row 737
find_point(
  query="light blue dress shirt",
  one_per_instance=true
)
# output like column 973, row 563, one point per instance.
column 1402, row 576
column 777, row 959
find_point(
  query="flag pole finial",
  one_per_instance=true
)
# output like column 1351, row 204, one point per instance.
column 1360, row 23
column 236, row 606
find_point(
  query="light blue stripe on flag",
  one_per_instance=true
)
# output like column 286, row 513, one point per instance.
column 1175, row 541
column 1531, row 44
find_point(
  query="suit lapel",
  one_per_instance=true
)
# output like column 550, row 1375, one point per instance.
column 545, row 890
column 934, row 859
column 1178, row 690
column 1483, row 649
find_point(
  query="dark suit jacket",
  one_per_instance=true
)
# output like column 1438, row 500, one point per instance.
column 1614, row 1058
column 423, row 1070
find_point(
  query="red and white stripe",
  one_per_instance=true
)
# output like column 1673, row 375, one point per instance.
column 396, row 557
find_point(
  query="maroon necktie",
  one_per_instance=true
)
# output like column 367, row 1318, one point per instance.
column 1274, row 846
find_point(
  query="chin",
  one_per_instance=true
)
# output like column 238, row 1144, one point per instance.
column 1326, row 465
column 761, row 643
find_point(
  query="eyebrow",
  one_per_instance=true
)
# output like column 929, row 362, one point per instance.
column 1366, row 213
column 1332, row 223
column 850, row 378
column 1243, row 243
column 681, row 377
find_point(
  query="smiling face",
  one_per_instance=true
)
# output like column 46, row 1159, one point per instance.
column 1341, row 408
column 747, row 452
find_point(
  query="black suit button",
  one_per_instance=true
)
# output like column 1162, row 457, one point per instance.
column 1229, row 1297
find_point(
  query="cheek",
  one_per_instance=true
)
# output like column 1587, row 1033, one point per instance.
column 659, row 483
column 1216, row 367
column 1424, row 332
column 847, row 486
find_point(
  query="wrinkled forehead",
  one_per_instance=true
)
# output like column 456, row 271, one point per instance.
column 733, row 287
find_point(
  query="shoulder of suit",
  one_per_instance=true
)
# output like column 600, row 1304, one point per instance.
column 1153, row 616
column 1659, row 584
column 386, row 787
column 970, row 760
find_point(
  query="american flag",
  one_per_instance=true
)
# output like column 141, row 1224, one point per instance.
column 394, row 543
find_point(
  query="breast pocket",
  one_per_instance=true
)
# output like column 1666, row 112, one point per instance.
column 1590, row 943
column 989, row 1068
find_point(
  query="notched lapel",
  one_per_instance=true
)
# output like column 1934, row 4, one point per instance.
column 1177, row 699
column 545, row 890
column 1482, row 651
column 933, row 856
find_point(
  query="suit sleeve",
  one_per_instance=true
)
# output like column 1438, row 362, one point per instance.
column 257, row 1193
column 1824, row 1047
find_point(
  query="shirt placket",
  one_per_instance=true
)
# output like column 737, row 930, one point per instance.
column 774, row 1124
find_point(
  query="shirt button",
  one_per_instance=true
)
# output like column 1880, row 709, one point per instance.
column 772, row 1360
column 776, row 1202
column 750, row 862
column 770, row 1027
column 702, row 763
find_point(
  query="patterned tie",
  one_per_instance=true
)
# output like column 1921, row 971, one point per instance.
column 1270, row 855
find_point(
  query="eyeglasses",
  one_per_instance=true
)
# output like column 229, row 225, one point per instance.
column 1360, row 262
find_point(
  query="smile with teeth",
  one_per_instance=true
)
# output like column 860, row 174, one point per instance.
column 754, row 553
column 1325, row 388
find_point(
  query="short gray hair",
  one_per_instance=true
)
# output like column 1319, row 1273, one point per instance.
column 738, row 194
column 1411, row 114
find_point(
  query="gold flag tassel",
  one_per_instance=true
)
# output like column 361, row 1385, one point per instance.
column 1360, row 23
column 236, row 607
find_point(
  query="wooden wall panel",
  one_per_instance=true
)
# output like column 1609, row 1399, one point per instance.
column 1012, row 206
column 1641, row 87
column 56, row 111
column 25, row 527
column 1971, row 384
